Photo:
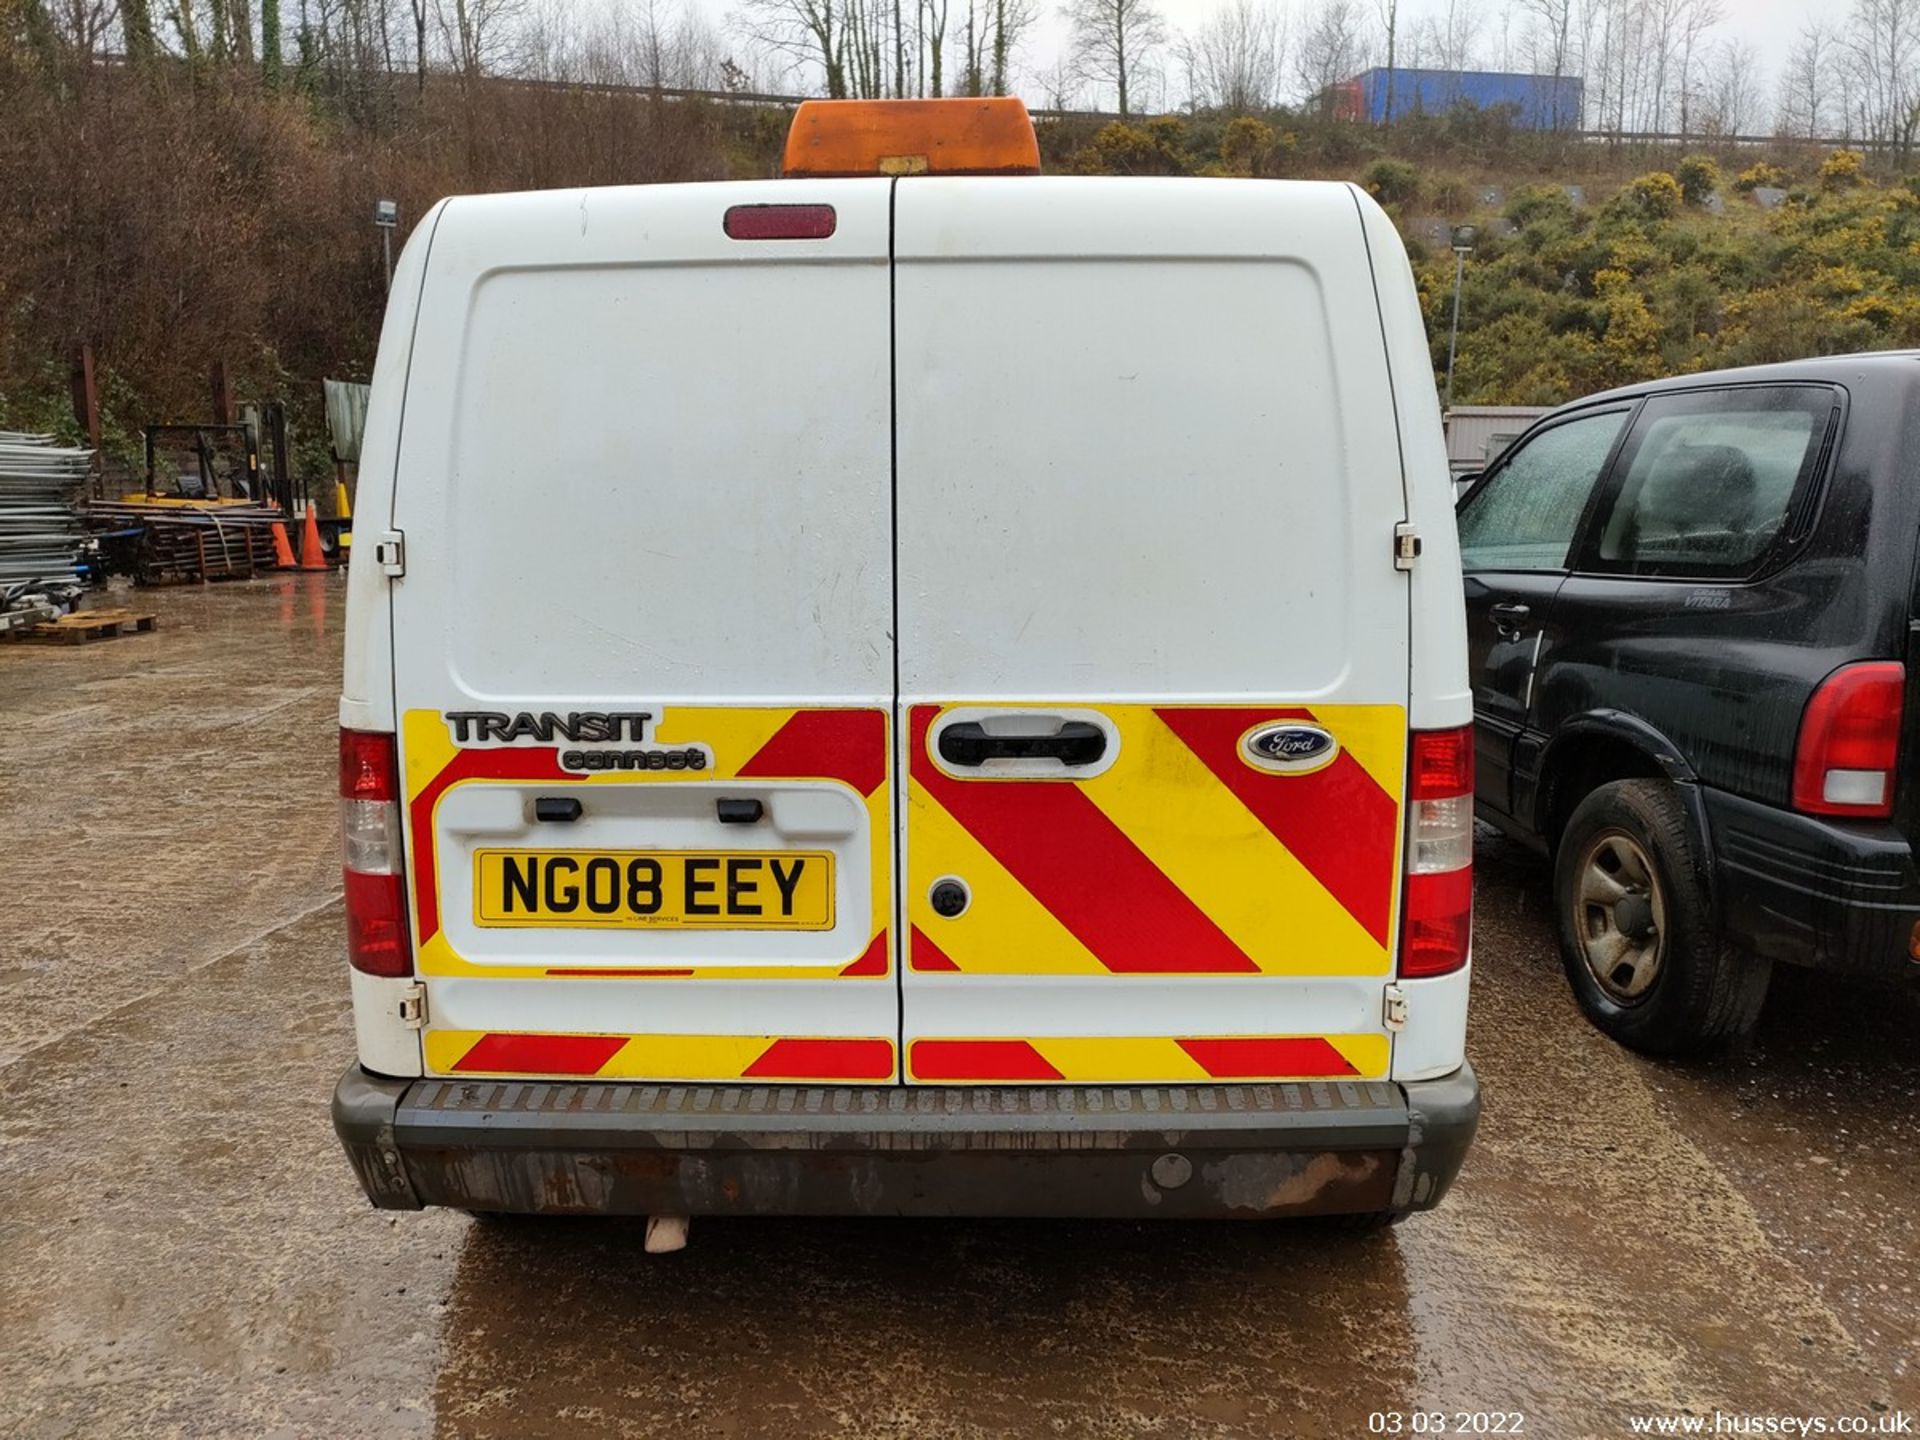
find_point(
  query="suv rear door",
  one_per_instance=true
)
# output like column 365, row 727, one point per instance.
column 642, row 646
column 1712, row 493
column 1147, row 479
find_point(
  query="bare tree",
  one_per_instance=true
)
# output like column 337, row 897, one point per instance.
column 1883, row 45
column 1112, row 41
column 1012, row 19
column 1693, row 48
column 806, row 32
column 1673, row 31
column 1556, row 42
column 475, row 33
column 240, row 29
column 1329, row 51
column 993, row 32
column 1624, row 49
column 1804, row 103
column 1449, row 34
column 272, row 53
column 933, row 44
column 1732, row 93
column 1388, row 13
column 1235, row 58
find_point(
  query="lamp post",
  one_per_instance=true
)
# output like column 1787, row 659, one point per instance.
column 1462, row 247
column 386, row 215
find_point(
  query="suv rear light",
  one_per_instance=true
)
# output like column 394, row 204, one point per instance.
column 1850, row 742
column 370, row 849
column 1436, row 927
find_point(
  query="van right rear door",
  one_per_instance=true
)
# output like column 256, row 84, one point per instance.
column 1153, row 648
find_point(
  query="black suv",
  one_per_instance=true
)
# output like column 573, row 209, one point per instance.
column 1691, row 612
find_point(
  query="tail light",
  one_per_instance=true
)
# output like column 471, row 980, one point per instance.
column 1850, row 742
column 1436, row 925
column 370, row 848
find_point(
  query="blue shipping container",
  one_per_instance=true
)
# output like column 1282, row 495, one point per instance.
column 1540, row 102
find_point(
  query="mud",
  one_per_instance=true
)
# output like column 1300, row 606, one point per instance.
column 183, row 1251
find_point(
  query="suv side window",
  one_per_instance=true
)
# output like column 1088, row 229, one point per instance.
column 1524, row 516
column 1708, row 480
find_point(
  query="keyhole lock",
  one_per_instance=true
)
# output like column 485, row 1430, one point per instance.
column 949, row 897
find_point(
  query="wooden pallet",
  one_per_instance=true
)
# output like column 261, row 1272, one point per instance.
column 85, row 625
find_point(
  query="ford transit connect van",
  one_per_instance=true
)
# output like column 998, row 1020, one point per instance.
column 907, row 693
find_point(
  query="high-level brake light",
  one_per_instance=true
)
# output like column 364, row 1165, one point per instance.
column 779, row 222
column 371, row 854
column 1436, row 927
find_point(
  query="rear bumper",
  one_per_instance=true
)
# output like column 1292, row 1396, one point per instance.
column 1806, row 891
column 1130, row 1151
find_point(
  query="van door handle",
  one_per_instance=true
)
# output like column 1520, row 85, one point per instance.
column 1509, row 617
column 1074, row 743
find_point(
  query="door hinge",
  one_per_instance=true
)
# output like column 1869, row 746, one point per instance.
column 1406, row 545
column 390, row 549
column 413, row 1006
column 1394, row 1011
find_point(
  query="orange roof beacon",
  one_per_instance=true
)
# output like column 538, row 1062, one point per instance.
column 990, row 136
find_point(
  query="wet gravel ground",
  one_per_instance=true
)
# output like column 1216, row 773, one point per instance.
column 183, row 1250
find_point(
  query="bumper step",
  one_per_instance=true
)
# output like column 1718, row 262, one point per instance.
column 1185, row 1150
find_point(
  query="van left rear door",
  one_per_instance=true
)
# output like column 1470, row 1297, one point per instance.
column 642, row 645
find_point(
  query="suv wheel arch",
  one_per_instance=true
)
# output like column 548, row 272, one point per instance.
column 1591, row 750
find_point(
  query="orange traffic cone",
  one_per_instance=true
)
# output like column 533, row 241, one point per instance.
column 282, row 550
column 312, row 557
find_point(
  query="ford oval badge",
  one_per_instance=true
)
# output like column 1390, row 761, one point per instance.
column 1291, row 749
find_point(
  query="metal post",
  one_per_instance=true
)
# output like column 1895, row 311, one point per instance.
column 1463, row 237
column 1453, row 338
column 386, row 215
column 86, row 411
column 222, row 393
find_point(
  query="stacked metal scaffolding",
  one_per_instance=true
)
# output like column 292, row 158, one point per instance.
column 41, row 531
column 180, row 540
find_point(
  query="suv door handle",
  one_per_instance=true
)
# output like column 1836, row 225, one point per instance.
column 1508, row 617
column 1074, row 743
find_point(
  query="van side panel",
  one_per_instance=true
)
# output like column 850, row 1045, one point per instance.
column 383, row 1040
column 643, row 663
column 366, row 688
column 1434, row 1040
column 1439, row 696
column 1147, row 481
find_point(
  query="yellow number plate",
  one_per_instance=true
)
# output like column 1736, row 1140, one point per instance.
column 646, row 889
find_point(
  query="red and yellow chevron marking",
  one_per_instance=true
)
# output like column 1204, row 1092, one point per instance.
column 1081, row 1059
column 1181, row 858
column 660, row 1057
column 847, row 745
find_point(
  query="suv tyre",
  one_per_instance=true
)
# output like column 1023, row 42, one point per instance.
column 1634, row 914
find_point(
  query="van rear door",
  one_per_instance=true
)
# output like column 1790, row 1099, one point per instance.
column 1153, row 646
column 642, row 647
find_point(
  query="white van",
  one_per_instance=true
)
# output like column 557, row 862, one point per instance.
column 926, row 694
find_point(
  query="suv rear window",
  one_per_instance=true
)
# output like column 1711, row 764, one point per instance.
column 1708, row 480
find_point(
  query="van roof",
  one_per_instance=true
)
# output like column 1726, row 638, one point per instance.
column 1316, row 222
